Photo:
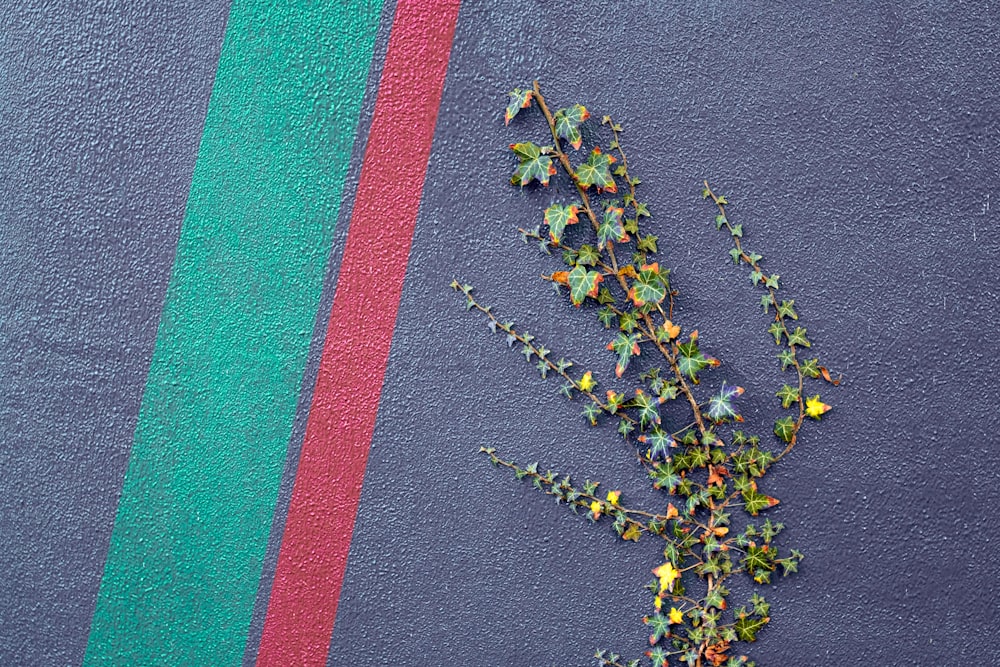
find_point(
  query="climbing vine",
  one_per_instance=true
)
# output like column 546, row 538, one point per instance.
column 710, row 469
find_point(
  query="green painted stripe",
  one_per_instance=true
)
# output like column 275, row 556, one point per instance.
column 193, row 522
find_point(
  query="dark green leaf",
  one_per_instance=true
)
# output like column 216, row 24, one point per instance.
column 582, row 283
column 784, row 428
column 611, row 230
column 568, row 122
column 534, row 164
column 557, row 217
column 519, row 99
column 596, row 171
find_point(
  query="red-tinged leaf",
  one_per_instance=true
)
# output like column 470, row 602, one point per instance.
column 583, row 283
column 561, row 277
column 519, row 99
column 568, row 123
column 596, row 171
column 535, row 164
column 557, row 217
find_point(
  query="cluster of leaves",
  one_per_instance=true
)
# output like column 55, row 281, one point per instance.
column 710, row 469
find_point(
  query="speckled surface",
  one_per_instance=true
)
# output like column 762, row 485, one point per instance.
column 102, row 110
column 859, row 146
column 859, row 149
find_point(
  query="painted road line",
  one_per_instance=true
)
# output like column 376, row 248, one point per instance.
column 314, row 550
column 193, row 522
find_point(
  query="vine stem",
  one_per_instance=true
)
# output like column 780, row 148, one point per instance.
column 669, row 355
column 721, row 204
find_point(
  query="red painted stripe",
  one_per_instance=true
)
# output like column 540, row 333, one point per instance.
column 313, row 555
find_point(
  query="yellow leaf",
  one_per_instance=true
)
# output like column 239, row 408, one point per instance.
column 673, row 331
column 613, row 497
column 672, row 511
column 587, row 382
column 676, row 616
column 658, row 603
column 632, row 533
column 667, row 574
column 815, row 408
column 595, row 508
column 720, row 531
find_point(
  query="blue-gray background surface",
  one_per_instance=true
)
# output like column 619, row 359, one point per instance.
column 859, row 146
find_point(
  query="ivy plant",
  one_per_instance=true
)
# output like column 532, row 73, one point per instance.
column 711, row 470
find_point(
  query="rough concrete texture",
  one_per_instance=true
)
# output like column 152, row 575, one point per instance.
column 859, row 148
column 101, row 115
column 858, row 145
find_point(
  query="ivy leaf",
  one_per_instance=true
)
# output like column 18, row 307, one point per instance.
column 611, row 229
column 786, row 310
column 582, row 283
column 587, row 255
column 649, row 286
column 646, row 406
column 632, row 532
column 535, row 164
column 659, row 625
column 748, row 627
column 810, row 368
column 787, row 358
column 606, row 316
column 784, row 428
column 519, row 99
column 788, row 395
column 691, row 360
column 596, row 171
column 625, row 347
column 720, row 406
column 798, row 337
column 755, row 501
column 816, row 408
column 567, row 124
column 557, row 217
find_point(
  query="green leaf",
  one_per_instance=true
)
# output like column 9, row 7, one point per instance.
column 649, row 286
column 659, row 442
column 735, row 254
column 798, row 337
column 611, row 230
column 647, row 243
column 596, row 171
column 766, row 301
column 582, row 283
column 777, row 330
column 558, row 216
column 519, row 99
column 720, row 220
column 784, row 428
column 625, row 347
column 737, row 231
column 691, row 360
column 720, row 406
column 535, row 164
column 788, row 395
column 659, row 625
column 787, row 358
column 786, row 310
column 748, row 627
column 665, row 476
column 646, row 407
column 591, row 411
column 641, row 210
column 810, row 368
column 607, row 317
column 568, row 122
column 772, row 281
column 587, row 255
